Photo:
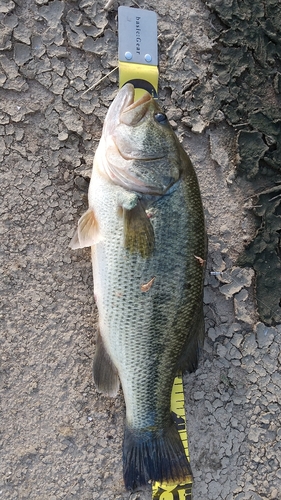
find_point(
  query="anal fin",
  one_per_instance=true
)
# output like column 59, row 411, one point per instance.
column 188, row 360
column 138, row 231
column 104, row 372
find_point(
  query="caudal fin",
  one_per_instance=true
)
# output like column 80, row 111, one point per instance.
column 154, row 456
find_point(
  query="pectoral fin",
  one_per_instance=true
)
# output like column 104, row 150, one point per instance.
column 138, row 231
column 105, row 374
column 87, row 233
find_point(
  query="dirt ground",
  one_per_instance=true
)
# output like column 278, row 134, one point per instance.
column 60, row 439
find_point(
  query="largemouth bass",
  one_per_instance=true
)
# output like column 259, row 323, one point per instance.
column 145, row 225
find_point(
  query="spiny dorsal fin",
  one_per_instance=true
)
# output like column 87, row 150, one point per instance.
column 87, row 233
column 138, row 231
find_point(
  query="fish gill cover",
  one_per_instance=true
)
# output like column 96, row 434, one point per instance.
column 248, row 88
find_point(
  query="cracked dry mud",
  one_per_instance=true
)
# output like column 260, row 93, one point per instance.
column 59, row 438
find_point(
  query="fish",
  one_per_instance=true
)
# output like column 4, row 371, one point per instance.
column 146, row 229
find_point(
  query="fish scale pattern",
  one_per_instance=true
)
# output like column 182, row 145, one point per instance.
column 145, row 332
column 148, row 266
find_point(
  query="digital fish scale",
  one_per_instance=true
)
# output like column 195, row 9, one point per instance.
column 138, row 65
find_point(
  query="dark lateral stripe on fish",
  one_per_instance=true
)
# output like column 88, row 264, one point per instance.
column 154, row 456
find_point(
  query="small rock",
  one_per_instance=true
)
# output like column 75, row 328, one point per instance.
column 72, row 121
column 38, row 48
column 58, row 84
column 173, row 124
column 45, row 79
column 265, row 335
column 225, row 231
column 237, row 339
column 9, row 129
column 58, row 66
column 264, row 381
column 252, row 377
column 238, row 278
column 197, row 124
column 260, row 370
column 76, row 37
column 63, row 136
column 276, row 378
column 52, row 12
column 2, row 148
column 212, row 334
column 209, row 295
column 198, row 395
column 254, row 434
column 207, row 346
column 215, row 488
column 5, row 38
column 269, row 364
column 22, row 53
column 266, row 418
column 249, row 345
column 9, row 67
column 236, row 362
column 10, row 21
column 235, row 327
column 19, row 134
column 274, row 350
column 218, row 150
column 221, row 350
column 174, row 114
column 22, row 34
column 6, row 6
column 273, row 407
column 234, row 353
column 54, row 50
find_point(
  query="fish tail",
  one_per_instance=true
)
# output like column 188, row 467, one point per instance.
column 154, row 456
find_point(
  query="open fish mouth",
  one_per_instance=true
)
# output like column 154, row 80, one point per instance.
column 133, row 113
column 145, row 98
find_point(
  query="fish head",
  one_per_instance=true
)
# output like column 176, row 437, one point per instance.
column 139, row 149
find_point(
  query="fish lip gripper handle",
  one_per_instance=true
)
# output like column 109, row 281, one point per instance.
column 138, row 50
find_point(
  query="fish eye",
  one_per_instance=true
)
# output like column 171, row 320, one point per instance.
column 161, row 118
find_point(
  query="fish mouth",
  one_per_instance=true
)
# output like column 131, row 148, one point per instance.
column 125, row 110
column 145, row 98
column 133, row 113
